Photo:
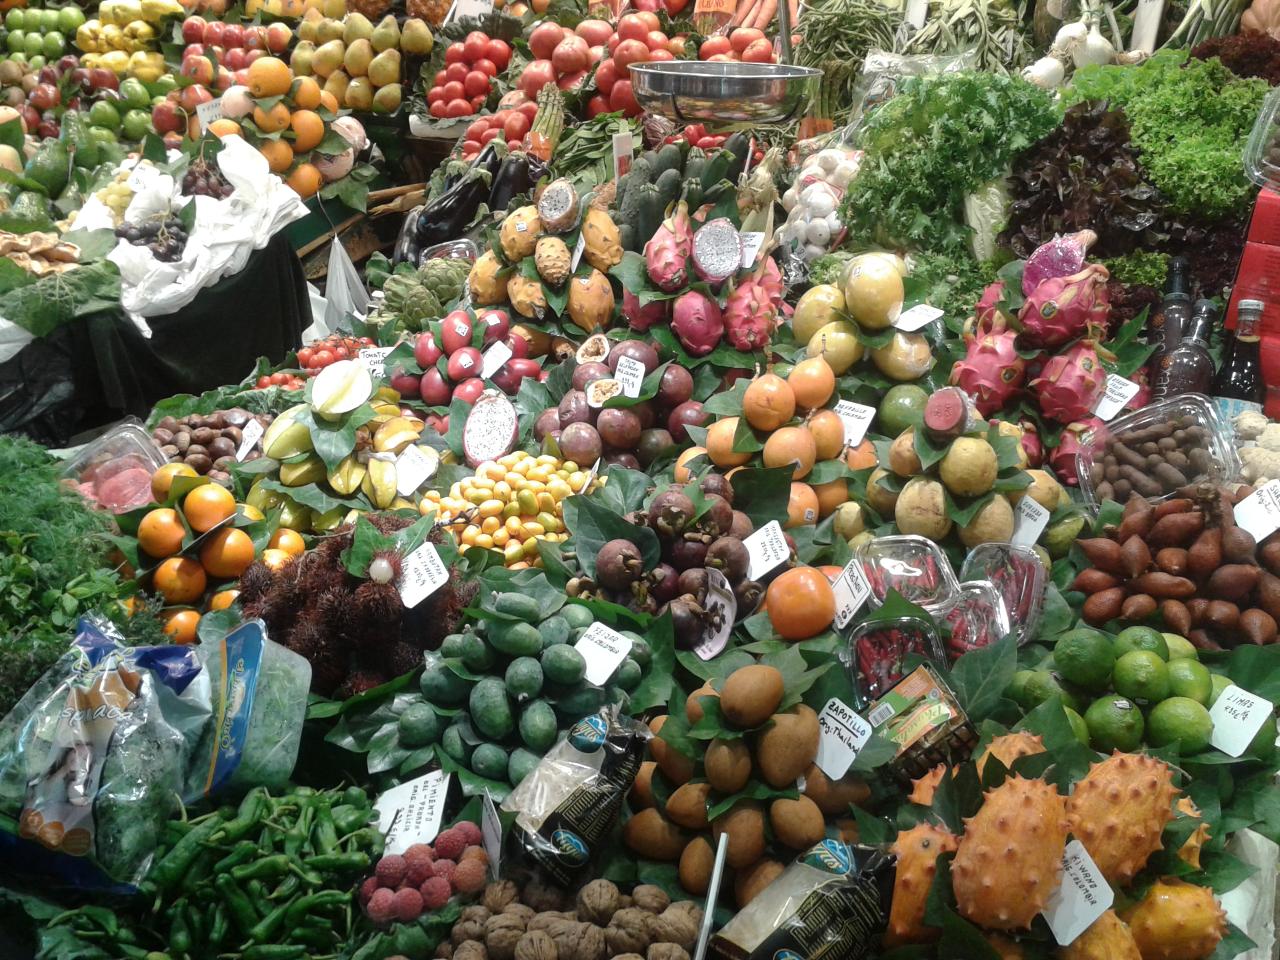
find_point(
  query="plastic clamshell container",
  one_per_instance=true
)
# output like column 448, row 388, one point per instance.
column 977, row 619
column 450, row 250
column 1188, row 409
column 115, row 470
column 1262, row 151
column 1018, row 577
column 878, row 651
column 914, row 566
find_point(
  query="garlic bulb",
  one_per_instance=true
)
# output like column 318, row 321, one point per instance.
column 1095, row 51
column 1047, row 73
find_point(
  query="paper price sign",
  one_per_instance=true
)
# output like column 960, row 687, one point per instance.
column 722, row 603
column 1146, row 25
column 1029, row 521
column 491, row 834
column 851, row 590
column 249, row 437
column 1083, row 896
column 422, row 574
column 494, row 359
column 841, row 735
column 630, row 375
column 921, row 315
column 623, row 148
column 752, row 241
column 412, row 468
column 1117, row 393
column 1237, row 717
column 856, row 418
column 767, row 548
column 375, row 360
column 206, row 113
column 412, row 812
column 1259, row 513
column 917, row 10
column 604, row 650
column 468, row 8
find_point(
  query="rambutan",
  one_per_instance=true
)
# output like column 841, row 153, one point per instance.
column 385, row 567
column 374, row 616
column 358, row 681
column 401, row 658
column 256, row 580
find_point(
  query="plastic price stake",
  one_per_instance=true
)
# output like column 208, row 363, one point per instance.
column 921, row 315
column 578, row 251
column 1237, row 717
column 1146, row 25
column 494, row 359
column 720, row 601
column 1081, row 898
column 422, row 574
column 1029, row 521
column 375, row 360
column 713, row 892
column 1117, row 393
column 412, row 812
column 623, row 148
column 630, row 375
column 249, row 437
column 491, row 834
column 206, row 113
column 604, row 650
column 851, row 590
column 752, row 240
column 857, row 418
column 842, row 734
column 412, row 468
column 767, row 548
column 1259, row 513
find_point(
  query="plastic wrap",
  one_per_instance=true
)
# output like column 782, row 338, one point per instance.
column 813, row 225
column 115, row 470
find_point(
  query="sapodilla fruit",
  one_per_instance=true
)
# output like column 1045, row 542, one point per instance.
column 1119, row 810
column 1108, row 938
column 1010, row 747
column 1008, row 861
column 1177, row 921
column 917, row 851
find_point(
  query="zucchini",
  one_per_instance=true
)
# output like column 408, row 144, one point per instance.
column 668, row 184
column 629, row 207
column 738, row 145
column 650, row 211
column 641, row 170
column 668, row 159
column 693, row 195
column 694, row 164
column 620, row 194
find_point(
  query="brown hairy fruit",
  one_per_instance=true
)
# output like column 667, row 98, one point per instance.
column 642, row 789
column 917, row 851
column 1177, row 921
column 835, row 797
column 750, row 695
column 675, row 766
column 693, row 704
column 1119, row 810
column 696, row 863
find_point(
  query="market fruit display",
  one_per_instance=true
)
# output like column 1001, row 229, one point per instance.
column 463, row 86
column 357, row 61
column 207, row 443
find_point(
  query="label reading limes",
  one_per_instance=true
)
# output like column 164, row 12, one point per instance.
column 1237, row 717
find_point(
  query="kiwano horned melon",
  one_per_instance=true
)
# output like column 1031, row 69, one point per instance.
column 1108, row 939
column 1119, row 811
column 1005, row 948
column 1010, row 855
column 1010, row 747
column 1189, row 852
column 1177, row 921
column 923, row 788
column 917, row 851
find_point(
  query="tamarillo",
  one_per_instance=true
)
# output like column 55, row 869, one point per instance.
column 1176, row 616
column 1259, row 626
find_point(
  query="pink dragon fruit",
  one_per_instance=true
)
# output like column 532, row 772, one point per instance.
column 749, row 316
column 1063, row 457
column 642, row 318
column 770, row 278
column 1032, row 445
column 1070, row 383
column 1143, row 396
column 987, row 315
column 1060, row 257
column 1064, row 308
column 991, row 371
column 667, row 253
column 697, row 321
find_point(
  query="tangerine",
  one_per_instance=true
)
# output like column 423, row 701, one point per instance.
column 791, row 447
column 180, row 580
column 861, row 457
column 801, row 603
column 309, row 130
column 828, row 433
column 802, row 506
column 812, row 381
column 328, row 101
column 830, row 571
column 720, row 444
column 831, row 495
column 273, row 120
column 307, row 93
column 269, row 77
column 290, row 541
column 207, row 506
column 275, row 558
column 305, row 181
column 279, row 155
column 227, row 553
column 769, row 402
column 161, row 533
column 223, row 599
column 682, row 473
column 181, row 626
column 162, row 479
column 224, row 127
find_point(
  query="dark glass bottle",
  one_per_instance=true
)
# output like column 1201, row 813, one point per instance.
column 1239, row 385
column 1166, row 325
column 1189, row 367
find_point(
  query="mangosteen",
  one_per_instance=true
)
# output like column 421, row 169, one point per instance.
column 654, row 443
column 584, row 373
column 718, row 517
column 676, row 386
column 664, row 582
column 643, row 603
column 548, row 422
column 619, row 565
column 637, row 350
column 670, row 512
column 742, row 527
column 694, row 583
column 688, row 619
column 748, row 593
column 729, row 555
column 619, row 428
column 580, row 443
column 573, row 408
column 685, row 554
column 687, row 414
column 622, row 458
column 718, row 484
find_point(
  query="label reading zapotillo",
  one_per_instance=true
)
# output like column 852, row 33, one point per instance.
column 842, row 732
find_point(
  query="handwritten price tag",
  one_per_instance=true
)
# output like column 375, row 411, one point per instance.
column 375, row 360
column 767, row 548
column 1259, row 513
column 856, row 418
column 851, row 590
column 752, row 241
column 1083, row 896
column 412, row 812
column 1118, row 392
column 578, row 251
column 206, row 113
column 249, row 437
column 630, row 375
column 604, row 650
column 1237, row 717
column 413, row 467
column 491, row 834
column 494, row 359
column 422, row 574
column 623, row 148
column 921, row 315
column 1029, row 521
column 842, row 734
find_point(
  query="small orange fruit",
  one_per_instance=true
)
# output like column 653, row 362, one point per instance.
column 831, row 495
column 224, row 127
column 269, row 77
column 290, row 541
column 720, row 444
column 180, row 580
column 162, row 479
column 828, row 433
column 223, row 599
column 273, row 120
column 306, row 93
column 862, row 456
column 328, row 101
column 791, row 447
column 801, row 603
column 769, row 402
column 682, row 473
column 181, row 626
column 802, row 506
column 305, row 180
column 161, row 532
column 309, row 130
column 275, row 558
column 227, row 553
column 278, row 153
column 830, row 571
column 813, row 382
column 207, row 506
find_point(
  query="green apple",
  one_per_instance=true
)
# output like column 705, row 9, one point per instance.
column 134, row 94
column 36, row 62
column 104, row 114
column 33, row 43
column 49, row 20
column 16, row 40
column 70, row 18
column 163, row 84
column 102, row 134
column 136, row 124
column 15, row 19
column 55, row 45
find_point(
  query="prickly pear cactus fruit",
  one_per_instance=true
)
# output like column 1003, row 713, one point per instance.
column 1189, row 852
column 917, row 851
column 1119, row 811
column 1011, row 853
column 923, row 788
column 1005, row 948
column 1177, row 921
column 1010, row 747
column 1108, row 939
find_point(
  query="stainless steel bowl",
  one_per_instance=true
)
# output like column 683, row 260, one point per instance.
column 689, row 90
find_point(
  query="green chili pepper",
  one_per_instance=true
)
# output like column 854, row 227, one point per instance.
column 244, row 852
column 288, row 886
column 252, row 808
column 325, row 831
column 316, row 937
column 339, row 862
column 316, row 901
column 133, row 953
column 268, row 867
column 198, row 871
column 179, row 933
column 367, row 837
column 218, row 927
column 242, row 911
column 266, row 928
column 274, row 951
column 174, row 864
column 348, row 819
column 306, row 876
column 195, row 923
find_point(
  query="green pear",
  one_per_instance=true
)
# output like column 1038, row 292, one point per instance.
column 357, row 58
column 387, row 34
column 387, row 99
column 327, row 58
column 385, row 68
column 337, row 85
column 356, row 27
column 416, row 38
column 359, row 94
column 327, row 30
column 301, row 58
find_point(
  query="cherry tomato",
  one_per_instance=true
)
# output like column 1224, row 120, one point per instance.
column 475, row 46
column 442, row 77
column 455, row 53
column 304, row 357
column 454, row 90
column 323, row 358
column 263, row 382
column 476, row 83
column 341, row 353
column 459, row 108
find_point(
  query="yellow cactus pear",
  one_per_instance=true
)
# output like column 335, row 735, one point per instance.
column 590, row 301
column 552, row 258
column 1177, row 921
column 486, row 281
column 1119, row 810
column 1189, row 852
column 526, row 296
column 519, row 233
column 923, row 788
column 1108, row 938
column 1010, row 747
column 602, row 244
column 917, row 851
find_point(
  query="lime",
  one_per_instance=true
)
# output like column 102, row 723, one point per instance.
column 136, row 124
column 15, row 41
column 33, row 44
column 1180, row 648
column 1190, row 678
column 55, row 45
column 1085, row 657
column 1142, row 638
column 1078, row 726
column 1114, row 724
column 902, row 407
column 133, row 92
column 104, row 114
column 1017, row 688
column 70, row 19
column 1180, row 720
column 1220, row 683
column 1042, row 685
column 1141, row 675
column 1263, row 745
column 13, row 20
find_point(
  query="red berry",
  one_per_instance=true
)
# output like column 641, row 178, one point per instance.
column 470, row 832
column 450, row 844
column 391, row 870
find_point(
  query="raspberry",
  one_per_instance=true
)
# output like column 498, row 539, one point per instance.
column 435, row 893
column 418, row 853
column 381, row 907
column 417, row 875
column 367, row 890
column 471, row 876
column 470, row 832
column 408, row 904
column 391, row 870
column 474, row 853
column 450, row 843
column 444, row 868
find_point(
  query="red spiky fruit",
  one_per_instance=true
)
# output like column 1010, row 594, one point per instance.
column 1177, row 921
column 1108, row 938
column 917, row 851
column 1119, row 810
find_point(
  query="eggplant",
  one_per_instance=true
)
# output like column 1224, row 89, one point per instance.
column 512, row 179
column 447, row 217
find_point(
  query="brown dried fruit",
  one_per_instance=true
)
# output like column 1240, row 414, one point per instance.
column 1137, row 607
column 687, row 807
column 642, row 789
column 478, row 911
column 591, row 945
column 1220, row 615
column 786, row 748
column 1094, row 581
column 1163, row 586
column 796, row 823
column 542, row 896
column 1176, row 616
column 744, row 823
column 1172, row 560
column 470, row 950
column 1234, row 581
column 1176, row 530
column 674, row 925
column 552, row 921
column 525, row 913
column 697, row 860
column 1103, row 606
column 1258, row 625
column 598, row 901
column 834, row 798
column 1205, row 555
column 1136, row 556
column 444, row 950
column 675, row 766
column 651, row 834
column 1103, row 554
column 750, row 695
column 728, row 765
column 748, row 883
column 497, row 895
column 628, row 932
column 666, row 951
column 650, row 899
column 501, row 934
column 537, row 945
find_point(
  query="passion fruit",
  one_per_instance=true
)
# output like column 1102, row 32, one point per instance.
column 720, row 444
column 585, row 373
column 675, row 387
column 599, row 391
column 622, row 458
column 654, row 443
column 547, row 424
column 637, row 350
column 769, row 402
column 687, row 414
column 573, row 408
column 593, row 350
column 791, row 447
column 618, row 427
column 907, row 356
column 580, row 442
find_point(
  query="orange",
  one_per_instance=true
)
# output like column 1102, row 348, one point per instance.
column 273, row 120
column 227, row 553
column 720, row 444
column 223, row 599
column 309, row 130
column 862, row 456
column 306, row 93
column 791, row 447
column 275, row 558
column 290, row 541
column 269, row 77
column 305, row 181
column 801, row 603
column 328, row 101
column 207, row 506
column 160, row 533
column 813, row 382
column 279, row 155
column 828, row 433
column 830, row 571
column 180, row 580
column 682, row 473
column 162, row 479
column 769, row 402
column 181, row 626
column 224, row 127
column 802, row 506
column 830, row 496
column 132, row 605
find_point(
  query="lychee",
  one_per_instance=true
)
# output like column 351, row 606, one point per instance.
column 474, row 853
column 367, row 890
column 407, row 905
column 418, row 874
column 435, row 893
column 444, row 868
column 450, row 844
column 381, row 906
column 471, row 876
column 470, row 832
column 391, row 870
column 418, row 853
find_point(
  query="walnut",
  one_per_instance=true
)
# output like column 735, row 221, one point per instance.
column 542, row 896
column 591, row 944
column 476, row 912
column 498, row 894
column 519, row 910
column 444, row 950
column 673, row 925
column 629, row 956
column 501, row 934
column 536, row 945
column 548, row 920
column 625, row 902
column 649, row 898
column 666, row 951
column 465, row 930
column 598, row 901
column 470, row 950
column 627, row 932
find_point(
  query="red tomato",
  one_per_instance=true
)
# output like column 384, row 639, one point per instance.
column 477, row 102
column 470, row 146
column 597, row 105
column 490, row 134
column 758, row 51
column 280, row 377
column 530, row 110
column 516, row 127
column 435, row 94
column 595, row 32
column 475, row 46
column 706, row 143
column 456, row 71
column 650, row 19
column 304, row 357
column 721, row 58
column 500, row 118
column 623, row 99
column 536, row 76
column 606, row 76
column 455, row 53
column 713, row 46
column 656, row 56
column 458, row 108
column 486, row 66
column 629, row 52
column 476, row 130
column 633, row 27
column 263, row 382
column 515, row 145
column 571, row 80
column 674, row 7
column 612, row 44
column 656, row 40
column 676, row 46
column 476, row 84
column 597, row 54
column 571, row 55
column 442, row 77
column 323, row 358
column 544, row 38
column 743, row 37
column 499, row 53
column 341, row 353
column 453, row 90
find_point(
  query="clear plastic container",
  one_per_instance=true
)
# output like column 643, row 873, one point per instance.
column 876, row 659
column 914, row 566
column 115, row 470
column 978, row 619
column 450, row 250
column 1201, row 450
column 1262, row 152
column 1018, row 577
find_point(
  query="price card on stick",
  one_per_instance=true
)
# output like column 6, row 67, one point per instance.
column 206, row 113
column 851, row 590
column 856, row 418
column 412, row 812
column 1081, row 898
column 841, row 735
column 1146, row 25
column 1029, row 521
column 491, row 834
column 249, row 437
column 375, row 360
column 1259, row 513
column 413, row 466
column 1118, row 391
column 494, row 358
column 767, row 548
column 468, row 8
column 421, row 575
column 921, row 315
column 752, row 241
column 630, row 375
column 623, row 148
column 917, row 11
column 604, row 650
column 1237, row 717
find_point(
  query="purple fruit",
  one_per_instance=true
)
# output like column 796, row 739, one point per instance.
column 643, row 410
column 685, row 554
column 717, row 483
column 670, row 512
column 742, row 527
column 694, row 582
column 729, row 555
column 687, row 414
column 636, row 350
column 718, row 518
column 618, row 428
column 548, row 422
column 654, row 444
column 619, row 565
column 573, row 408
column 676, row 386
column 622, row 458
column 580, row 443
column 687, row 618
column 665, row 583
column 749, row 593
column 585, row 373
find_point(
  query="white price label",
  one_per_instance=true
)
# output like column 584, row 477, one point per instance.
column 412, row 812
column 851, row 590
column 375, row 360
column 856, row 418
column 249, row 437
column 604, row 650
column 720, row 603
column 1029, row 521
column 206, row 113
column 1080, row 899
column 767, row 548
column 578, row 251
column 842, row 734
column 1237, row 717
column 623, row 148
column 1259, row 513
column 413, row 467
column 921, row 315
column 494, row 359
column 491, row 834
column 917, row 11
column 1146, row 25
column 591, row 476
column 422, row 574
column 752, row 241
column 468, row 8
column 1119, row 391
column 630, row 376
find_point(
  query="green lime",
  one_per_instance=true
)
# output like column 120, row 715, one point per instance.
column 1042, row 685
column 902, row 407
column 1017, row 688
column 1263, row 745
column 1085, row 657
column 16, row 41
column 1180, row 720
column 55, row 45
column 136, row 124
column 1141, row 675
column 104, row 114
column 1114, row 724
column 1220, row 683
column 1142, row 638
column 1190, row 678
column 1180, row 648
column 70, row 19
column 14, row 19
column 134, row 94
column 1078, row 726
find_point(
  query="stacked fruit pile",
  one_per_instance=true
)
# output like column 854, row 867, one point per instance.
column 462, row 87
column 359, row 63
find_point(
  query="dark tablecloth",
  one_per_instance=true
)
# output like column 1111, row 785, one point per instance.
column 101, row 368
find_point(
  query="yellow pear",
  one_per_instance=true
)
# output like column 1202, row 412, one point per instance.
column 356, row 27
column 337, row 9
column 327, row 58
column 385, row 68
column 416, row 37
column 386, row 35
column 337, row 85
column 301, row 58
column 307, row 28
column 387, row 99
column 357, row 58
column 359, row 94
column 327, row 30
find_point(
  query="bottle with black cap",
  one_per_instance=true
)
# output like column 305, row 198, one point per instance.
column 1239, row 385
column 1166, row 325
column 1189, row 367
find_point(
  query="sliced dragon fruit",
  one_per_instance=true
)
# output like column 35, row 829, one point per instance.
column 1060, row 257
column 717, row 251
